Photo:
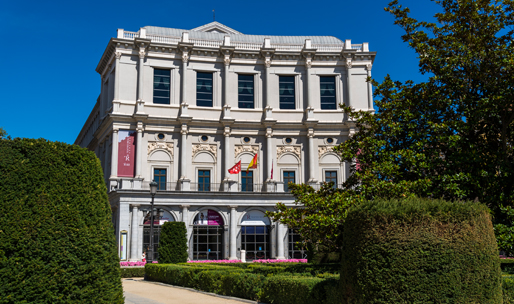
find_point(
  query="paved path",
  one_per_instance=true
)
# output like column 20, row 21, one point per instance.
column 139, row 291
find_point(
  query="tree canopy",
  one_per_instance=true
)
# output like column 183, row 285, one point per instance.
column 451, row 136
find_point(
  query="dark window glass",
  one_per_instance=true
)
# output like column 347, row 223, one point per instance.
column 161, row 86
column 331, row 176
column 204, row 89
column 330, row 140
column 256, row 241
column 204, row 138
column 246, row 139
column 159, row 176
column 289, row 140
column 247, row 181
column 204, row 180
column 288, row 178
column 328, row 92
column 286, row 92
column 207, row 242
column 146, row 240
column 160, row 136
column 245, row 91
column 294, row 248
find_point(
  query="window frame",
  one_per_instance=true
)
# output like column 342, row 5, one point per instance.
column 281, row 96
column 333, row 104
column 286, row 188
column 165, row 176
column 244, row 181
column 201, row 186
column 211, row 93
column 239, row 102
column 331, row 171
column 169, row 87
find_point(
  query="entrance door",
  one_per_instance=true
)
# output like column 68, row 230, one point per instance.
column 208, row 236
column 255, row 240
column 157, row 222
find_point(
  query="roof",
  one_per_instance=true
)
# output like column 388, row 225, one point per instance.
column 217, row 31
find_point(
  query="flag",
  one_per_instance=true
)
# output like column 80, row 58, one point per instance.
column 253, row 163
column 236, row 169
column 271, row 171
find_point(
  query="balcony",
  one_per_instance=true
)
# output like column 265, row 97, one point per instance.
column 186, row 185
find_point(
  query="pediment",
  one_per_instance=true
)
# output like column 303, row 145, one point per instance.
column 216, row 27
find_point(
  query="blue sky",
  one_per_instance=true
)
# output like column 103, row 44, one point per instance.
column 50, row 49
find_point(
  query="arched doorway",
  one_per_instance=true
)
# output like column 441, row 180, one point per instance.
column 208, row 235
column 255, row 235
column 157, row 222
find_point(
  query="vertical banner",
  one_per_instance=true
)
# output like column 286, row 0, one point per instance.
column 123, row 245
column 126, row 153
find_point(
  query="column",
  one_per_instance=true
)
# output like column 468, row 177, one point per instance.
column 114, row 156
column 225, row 80
column 139, row 149
column 226, row 156
column 185, row 219
column 117, row 80
column 134, row 227
column 233, row 233
column 269, row 152
column 312, row 156
column 267, row 66
column 183, row 79
column 348, row 80
column 183, row 158
column 280, row 242
column 370, row 88
column 140, row 81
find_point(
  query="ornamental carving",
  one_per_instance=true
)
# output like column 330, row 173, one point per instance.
column 152, row 146
column 245, row 148
column 348, row 63
column 324, row 150
column 288, row 149
column 212, row 148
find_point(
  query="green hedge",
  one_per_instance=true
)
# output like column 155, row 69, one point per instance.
column 420, row 251
column 132, row 272
column 243, row 283
column 57, row 241
column 173, row 243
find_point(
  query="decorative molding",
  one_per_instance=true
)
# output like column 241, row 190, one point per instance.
column 152, row 146
column 118, row 55
column 205, row 147
column 267, row 62
column 310, row 132
column 227, row 132
column 245, row 148
column 142, row 55
column 289, row 149
column 322, row 150
column 368, row 67
column 348, row 63
column 183, row 131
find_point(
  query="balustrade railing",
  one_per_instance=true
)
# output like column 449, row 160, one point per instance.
column 164, row 39
column 287, row 47
column 328, row 47
column 171, row 186
column 206, row 187
column 206, row 43
column 247, row 45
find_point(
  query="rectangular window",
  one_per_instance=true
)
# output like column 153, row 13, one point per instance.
column 247, row 181
column 286, row 92
column 288, row 178
column 204, row 180
column 331, row 176
column 327, row 86
column 245, row 91
column 204, row 89
column 159, row 176
column 161, row 86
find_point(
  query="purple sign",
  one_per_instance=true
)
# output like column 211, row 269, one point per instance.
column 214, row 218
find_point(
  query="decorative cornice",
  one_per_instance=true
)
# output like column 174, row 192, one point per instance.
column 118, row 55
column 348, row 63
column 322, row 150
column 245, row 148
column 288, row 149
column 152, row 146
column 368, row 67
column 205, row 147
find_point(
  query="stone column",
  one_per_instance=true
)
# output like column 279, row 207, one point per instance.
column 134, row 227
column 185, row 219
column 233, row 233
column 312, row 157
column 114, row 156
column 280, row 241
column 183, row 151
column 117, row 80
column 140, row 81
column 185, row 59
column 139, row 149
column 269, row 152
column 348, row 80
column 226, row 156
column 370, row 88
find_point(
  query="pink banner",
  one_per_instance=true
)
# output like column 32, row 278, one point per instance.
column 126, row 153
column 214, row 218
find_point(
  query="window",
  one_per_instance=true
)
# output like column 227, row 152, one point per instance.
column 288, row 177
column 286, row 92
column 256, row 241
column 331, row 176
column 247, row 181
column 204, row 89
column 207, row 242
column 161, row 86
column 204, row 180
column 295, row 250
column 328, row 92
column 245, row 91
column 159, row 176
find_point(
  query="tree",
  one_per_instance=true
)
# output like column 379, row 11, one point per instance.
column 452, row 136
column 173, row 243
column 2, row 133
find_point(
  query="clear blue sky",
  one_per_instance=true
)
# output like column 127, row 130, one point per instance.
column 50, row 49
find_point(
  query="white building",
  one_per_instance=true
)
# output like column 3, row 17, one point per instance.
column 184, row 106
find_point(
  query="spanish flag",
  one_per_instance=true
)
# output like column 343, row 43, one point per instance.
column 253, row 163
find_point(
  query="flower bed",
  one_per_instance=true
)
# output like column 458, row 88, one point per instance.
column 282, row 261
column 125, row 264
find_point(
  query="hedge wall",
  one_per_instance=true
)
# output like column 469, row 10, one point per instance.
column 420, row 251
column 57, row 241
column 173, row 243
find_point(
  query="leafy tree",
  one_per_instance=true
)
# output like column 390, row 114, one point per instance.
column 2, row 133
column 173, row 243
column 452, row 136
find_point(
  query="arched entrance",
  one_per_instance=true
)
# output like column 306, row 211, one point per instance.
column 255, row 235
column 208, row 235
column 157, row 222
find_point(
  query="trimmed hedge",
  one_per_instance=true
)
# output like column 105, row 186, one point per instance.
column 57, row 241
column 173, row 243
column 243, row 283
column 132, row 272
column 420, row 251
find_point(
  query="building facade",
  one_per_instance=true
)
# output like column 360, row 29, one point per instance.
column 183, row 107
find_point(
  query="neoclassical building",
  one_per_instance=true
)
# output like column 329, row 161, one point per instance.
column 182, row 107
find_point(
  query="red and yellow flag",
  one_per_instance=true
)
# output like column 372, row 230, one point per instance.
column 253, row 163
